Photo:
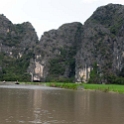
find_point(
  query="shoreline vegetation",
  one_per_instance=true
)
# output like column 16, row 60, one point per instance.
column 101, row 87
column 75, row 86
column 105, row 87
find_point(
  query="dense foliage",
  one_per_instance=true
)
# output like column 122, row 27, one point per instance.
column 60, row 65
column 14, row 69
column 107, row 78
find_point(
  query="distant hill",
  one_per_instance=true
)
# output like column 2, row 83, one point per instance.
column 91, row 52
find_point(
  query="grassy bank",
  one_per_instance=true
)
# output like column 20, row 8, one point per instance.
column 31, row 83
column 102, row 87
column 63, row 85
column 105, row 88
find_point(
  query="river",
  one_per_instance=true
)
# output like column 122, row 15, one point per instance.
column 29, row 104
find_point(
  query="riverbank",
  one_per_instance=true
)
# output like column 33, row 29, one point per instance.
column 101, row 87
column 64, row 85
column 105, row 87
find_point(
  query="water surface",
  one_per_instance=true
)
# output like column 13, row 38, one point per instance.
column 20, row 104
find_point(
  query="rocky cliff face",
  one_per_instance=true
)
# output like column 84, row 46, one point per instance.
column 21, row 36
column 55, row 54
column 16, row 49
column 102, row 43
column 74, row 52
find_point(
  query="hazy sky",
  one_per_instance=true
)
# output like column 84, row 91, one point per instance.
column 50, row 14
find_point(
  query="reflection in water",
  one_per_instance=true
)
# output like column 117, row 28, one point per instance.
column 101, row 108
column 41, row 105
column 37, row 103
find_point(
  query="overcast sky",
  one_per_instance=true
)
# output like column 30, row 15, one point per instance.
column 50, row 14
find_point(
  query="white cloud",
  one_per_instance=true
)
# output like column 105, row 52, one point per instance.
column 89, row 1
column 101, row 1
column 6, row 4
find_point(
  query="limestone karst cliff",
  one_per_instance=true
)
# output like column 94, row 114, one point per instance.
column 17, row 42
column 91, row 52
column 102, row 43
column 55, row 53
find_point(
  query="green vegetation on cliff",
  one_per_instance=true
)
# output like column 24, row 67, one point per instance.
column 14, row 69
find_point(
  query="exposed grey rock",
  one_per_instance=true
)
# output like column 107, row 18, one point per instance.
column 102, row 43
column 17, row 44
column 56, row 52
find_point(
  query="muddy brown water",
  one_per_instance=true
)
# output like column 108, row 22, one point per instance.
column 25, row 104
